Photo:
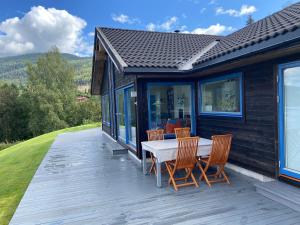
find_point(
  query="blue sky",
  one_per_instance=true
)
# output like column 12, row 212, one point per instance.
column 34, row 26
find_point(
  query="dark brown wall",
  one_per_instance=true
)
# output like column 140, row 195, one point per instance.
column 254, row 135
column 105, row 81
column 255, row 142
column 122, row 80
column 112, row 80
column 104, row 91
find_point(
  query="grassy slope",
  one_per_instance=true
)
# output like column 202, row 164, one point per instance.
column 18, row 165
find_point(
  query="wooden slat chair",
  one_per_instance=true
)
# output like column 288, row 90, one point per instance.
column 182, row 132
column 219, row 155
column 185, row 160
column 154, row 135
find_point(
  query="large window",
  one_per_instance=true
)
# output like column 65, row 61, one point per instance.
column 105, row 110
column 289, row 119
column 121, row 115
column 126, row 115
column 170, row 105
column 221, row 96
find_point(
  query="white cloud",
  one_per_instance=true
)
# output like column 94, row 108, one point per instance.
column 91, row 34
column 247, row 9
column 151, row 27
column 165, row 26
column 202, row 10
column 122, row 18
column 216, row 29
column 40, row 29
column 244, row 10
column 212, row 2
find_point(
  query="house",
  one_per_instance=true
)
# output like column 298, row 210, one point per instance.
column 246, row 83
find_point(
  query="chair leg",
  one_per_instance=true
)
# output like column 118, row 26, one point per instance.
column 203, row 173
column 194, row 180
column 224, row 175
column 153, row 165
column 171, row 173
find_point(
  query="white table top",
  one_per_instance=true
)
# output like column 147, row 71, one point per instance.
column 165, row 150
column 172, row 143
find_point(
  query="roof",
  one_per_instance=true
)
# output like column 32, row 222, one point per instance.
column 277, row 24
column 158, row 51
column 155, row 49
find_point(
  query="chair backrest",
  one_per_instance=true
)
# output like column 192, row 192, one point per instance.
column 220, row 149
column 154, row 135
column 182, row 132
column 186, row 152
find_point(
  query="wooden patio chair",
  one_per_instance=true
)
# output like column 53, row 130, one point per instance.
column 154, row 135
column 218, row 157
column 182, row 132
column 185, row 160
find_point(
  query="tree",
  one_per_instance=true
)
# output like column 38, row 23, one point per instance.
column 51, row 93
column 250, row 20
column 47, row 102
column 14, row 114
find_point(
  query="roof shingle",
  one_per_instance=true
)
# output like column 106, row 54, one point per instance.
column 286, row 20
column 155, row 49
column 172, row 50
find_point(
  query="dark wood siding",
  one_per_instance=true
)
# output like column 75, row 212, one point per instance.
column 105, row 81
column 112, row 80
column 122, row 80
column 104, row 91
column 253, row 144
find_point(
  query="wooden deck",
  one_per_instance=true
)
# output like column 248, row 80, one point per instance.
column 80, row 181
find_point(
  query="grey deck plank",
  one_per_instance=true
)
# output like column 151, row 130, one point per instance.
column 80, row 181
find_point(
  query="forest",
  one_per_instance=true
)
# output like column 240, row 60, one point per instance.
column 46, row 101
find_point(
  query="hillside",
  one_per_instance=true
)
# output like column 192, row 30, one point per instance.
column 13, row 69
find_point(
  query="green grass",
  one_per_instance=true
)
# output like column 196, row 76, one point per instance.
column 6, row 145
column 18, row 164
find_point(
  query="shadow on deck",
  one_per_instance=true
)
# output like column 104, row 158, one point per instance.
column 81, row 182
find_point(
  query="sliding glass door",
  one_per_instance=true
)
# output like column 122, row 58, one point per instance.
column 131, row 117
column 289, row 119
column 170, row 106
column 121, row 115
column 126, row 115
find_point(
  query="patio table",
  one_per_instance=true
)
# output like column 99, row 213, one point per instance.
column 165, row 150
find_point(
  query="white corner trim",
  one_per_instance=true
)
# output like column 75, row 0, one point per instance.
column 107, row 135
column 249, row 173
column 188, row 65
column 115, row 53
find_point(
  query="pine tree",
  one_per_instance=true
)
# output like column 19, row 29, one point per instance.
column 250, row 20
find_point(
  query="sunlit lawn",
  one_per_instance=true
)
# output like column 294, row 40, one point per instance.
column 18, row 164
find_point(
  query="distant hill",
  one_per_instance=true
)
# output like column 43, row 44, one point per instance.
column 13, row 69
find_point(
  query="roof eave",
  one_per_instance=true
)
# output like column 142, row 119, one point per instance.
column 250, row 50
column 113, row 54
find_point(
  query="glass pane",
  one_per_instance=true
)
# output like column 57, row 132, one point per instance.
column 292, row 118
column 170, row 107
column 131, row 117
column 221, row 96
column 121, row 114
column 105, row 109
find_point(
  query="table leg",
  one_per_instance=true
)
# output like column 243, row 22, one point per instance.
column 144, row 161
column 158, row 172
